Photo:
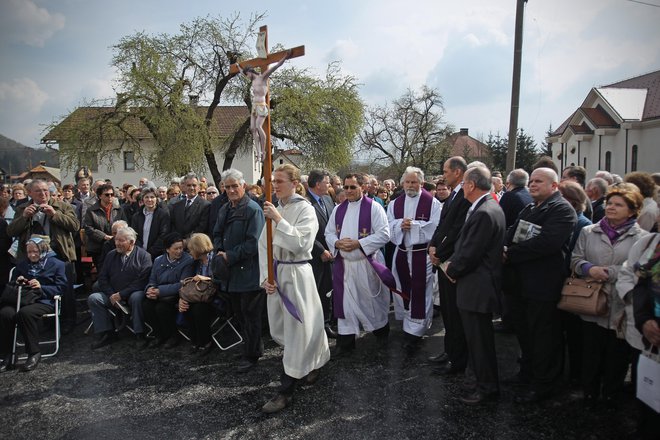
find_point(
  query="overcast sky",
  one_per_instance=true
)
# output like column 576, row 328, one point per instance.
column 55, row 53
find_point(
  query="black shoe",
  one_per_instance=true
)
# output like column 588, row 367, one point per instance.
column 532, row 396
column 439, row 359
column 312, row 377
column 31, row 362
column 277, row 403
column 411, row 343
column 106, row 338
column 479, row 397
column 330, row 332
column 341, row 353
column 447, row 370
column 6, row 364
column 205, row 350
column 245, row 366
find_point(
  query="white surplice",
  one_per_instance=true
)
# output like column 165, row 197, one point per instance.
column 366, row 298
column 305, row 344
column 421, row 232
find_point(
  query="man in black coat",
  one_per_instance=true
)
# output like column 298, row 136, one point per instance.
column 596, row 190
column 516, row 196
column 441, row 248
column 318, row 182
column 476, row 266
column 191, row 214
column 534, row 274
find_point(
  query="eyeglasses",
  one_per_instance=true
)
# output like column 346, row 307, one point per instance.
column 350, row 187
column 109, row 194
column 278, row 181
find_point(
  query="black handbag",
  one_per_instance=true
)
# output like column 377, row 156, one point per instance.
column 28, row 295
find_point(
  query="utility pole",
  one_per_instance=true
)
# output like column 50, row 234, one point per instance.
column 515, row 87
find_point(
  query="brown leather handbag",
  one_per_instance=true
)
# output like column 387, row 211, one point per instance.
column 197, row 291
column 583, row 296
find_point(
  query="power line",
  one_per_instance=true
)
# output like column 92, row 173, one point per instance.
column 644, row 3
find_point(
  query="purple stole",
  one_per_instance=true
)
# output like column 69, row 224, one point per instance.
column 415, row 286
column 364, row 228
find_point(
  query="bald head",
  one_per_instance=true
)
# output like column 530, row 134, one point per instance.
column 543, row 183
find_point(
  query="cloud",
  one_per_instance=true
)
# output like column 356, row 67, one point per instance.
column 343, row 50
column 25, row 22
column 22, row 95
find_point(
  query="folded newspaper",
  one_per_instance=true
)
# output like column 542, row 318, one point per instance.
column 526, row 231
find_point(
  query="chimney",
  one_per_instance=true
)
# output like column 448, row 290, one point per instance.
column 42, row 163
column 464, row 132
column 193, row 100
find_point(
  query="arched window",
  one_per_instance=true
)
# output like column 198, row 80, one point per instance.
column 584, row 162
column 608, row 161
column 633, row 162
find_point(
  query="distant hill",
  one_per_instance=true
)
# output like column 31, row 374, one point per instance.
column 16, row 158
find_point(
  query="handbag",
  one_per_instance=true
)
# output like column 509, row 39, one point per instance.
column 583, row 296
column 28, row 295
column 201, row 291
column 648, row 379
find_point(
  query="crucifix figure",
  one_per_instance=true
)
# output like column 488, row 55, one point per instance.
column 260, row 110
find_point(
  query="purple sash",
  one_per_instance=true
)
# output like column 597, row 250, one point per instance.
column 290, row 306
column 364, row 228
column 414, row 286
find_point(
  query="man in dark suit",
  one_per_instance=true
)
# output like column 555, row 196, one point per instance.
column 516, row 196
column 476, row 266
column 441, row 248
column 534, row 274
column 191, row 214
column 596, row 190
column 318, row 183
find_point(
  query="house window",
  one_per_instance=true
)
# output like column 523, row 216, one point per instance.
column 608, row 161
column 90, row 161
column 129, row 161
column 584, row 162
column 633, row 163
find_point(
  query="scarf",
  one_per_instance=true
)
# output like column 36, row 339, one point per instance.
column 613, row 233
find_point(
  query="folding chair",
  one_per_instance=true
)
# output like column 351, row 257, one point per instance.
column 219, row 306
column 55, row 315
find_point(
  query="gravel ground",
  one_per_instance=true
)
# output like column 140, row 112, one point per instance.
column 120, row 392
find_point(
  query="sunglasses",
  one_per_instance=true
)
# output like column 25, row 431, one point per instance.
column 109, row 194
column 350, row 187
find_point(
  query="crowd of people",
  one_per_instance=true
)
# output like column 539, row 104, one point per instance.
column 470, row 245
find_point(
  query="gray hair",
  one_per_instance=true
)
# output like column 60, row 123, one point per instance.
column 476, row 163
column 128, row 232
column 480, row 176
column 598, row 183
column 118, row 225
column 234, row 174
column 162, row 188
column 411, row 170
column 518, row 178
column 606, row 176
column 189, row 176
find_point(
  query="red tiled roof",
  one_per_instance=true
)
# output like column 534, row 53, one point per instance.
column 462, row 143
column 226, row 119
column 650, row 82
column 562, row 128
column 581, row 129
column 599, row 117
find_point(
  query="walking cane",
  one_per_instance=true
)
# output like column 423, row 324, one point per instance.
column 18, row 307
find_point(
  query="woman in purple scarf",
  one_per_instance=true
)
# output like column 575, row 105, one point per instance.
column 600, row 251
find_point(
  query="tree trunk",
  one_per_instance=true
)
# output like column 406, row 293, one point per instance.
column 239, row 137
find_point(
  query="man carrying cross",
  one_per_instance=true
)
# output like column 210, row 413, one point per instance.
column 413, row 217
column 356, row 231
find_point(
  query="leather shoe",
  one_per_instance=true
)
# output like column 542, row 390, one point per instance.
column 6, row 364
column 106, row 338
column 330, row 332
column 448, row 369
column 478, row 397
column 312, row 377
column 31, row 362
column 532, row 396
column 276, row 404
column 340, row 353
column 245, row 366
column 439, row 359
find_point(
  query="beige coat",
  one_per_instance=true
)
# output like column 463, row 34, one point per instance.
column 593, row 246
column 627, row 280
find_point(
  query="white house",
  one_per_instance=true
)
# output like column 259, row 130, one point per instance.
column 125, row 169
column 617, row 128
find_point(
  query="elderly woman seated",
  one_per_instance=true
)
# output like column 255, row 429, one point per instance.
column 124, row 276
column 42, row 277
column 200, row 316
column 161, row 294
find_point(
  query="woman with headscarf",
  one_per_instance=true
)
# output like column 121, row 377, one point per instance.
column 44, row 275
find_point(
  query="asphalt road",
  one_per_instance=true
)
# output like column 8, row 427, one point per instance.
column 119, row 392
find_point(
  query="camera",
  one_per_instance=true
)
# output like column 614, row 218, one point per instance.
column 22, row 282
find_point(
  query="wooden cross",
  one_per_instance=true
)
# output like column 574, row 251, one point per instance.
column 263, row 64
